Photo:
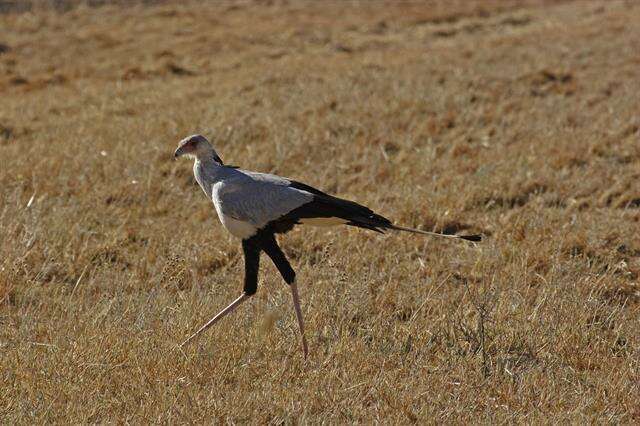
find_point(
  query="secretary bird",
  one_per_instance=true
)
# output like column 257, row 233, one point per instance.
column 255, row 206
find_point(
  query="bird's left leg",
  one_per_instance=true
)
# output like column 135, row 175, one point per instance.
column 215, row 319
column 270, row 246
column 251, row 251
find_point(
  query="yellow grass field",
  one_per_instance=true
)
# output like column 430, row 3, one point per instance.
column 519, row 120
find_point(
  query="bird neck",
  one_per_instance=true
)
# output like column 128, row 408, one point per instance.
column 207, row 173
column 208, row 160
column 206, row 155
column 208, row 168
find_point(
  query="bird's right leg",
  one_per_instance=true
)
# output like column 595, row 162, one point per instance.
column 251, row 265
column 296, row 306
column 270, row 246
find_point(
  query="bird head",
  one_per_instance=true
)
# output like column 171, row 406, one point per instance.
column 198, row 147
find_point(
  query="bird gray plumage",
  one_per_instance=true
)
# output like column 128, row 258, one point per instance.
column 249, row 201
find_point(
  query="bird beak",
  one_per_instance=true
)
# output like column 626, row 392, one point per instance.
column 177, row 153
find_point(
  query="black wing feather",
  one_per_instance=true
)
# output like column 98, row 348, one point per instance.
column 325, row 205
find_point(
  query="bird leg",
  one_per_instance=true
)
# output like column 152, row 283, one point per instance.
column 215, row 319
column 296, row 305
column 251, row 265
column 270, row 246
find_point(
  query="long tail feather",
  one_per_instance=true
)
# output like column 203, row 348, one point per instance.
column 474, row 238
column 324, row 205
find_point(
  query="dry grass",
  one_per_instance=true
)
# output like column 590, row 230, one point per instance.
column 518, row 119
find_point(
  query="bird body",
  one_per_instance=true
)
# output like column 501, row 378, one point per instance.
column 248, row 201
column 256, row 206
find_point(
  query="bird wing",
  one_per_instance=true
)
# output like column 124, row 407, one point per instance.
column 328, row 209
column 258, row 198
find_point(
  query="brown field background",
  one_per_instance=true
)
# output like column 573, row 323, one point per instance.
column 516, row 119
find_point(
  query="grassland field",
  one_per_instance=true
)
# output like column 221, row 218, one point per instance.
column 519, row 120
